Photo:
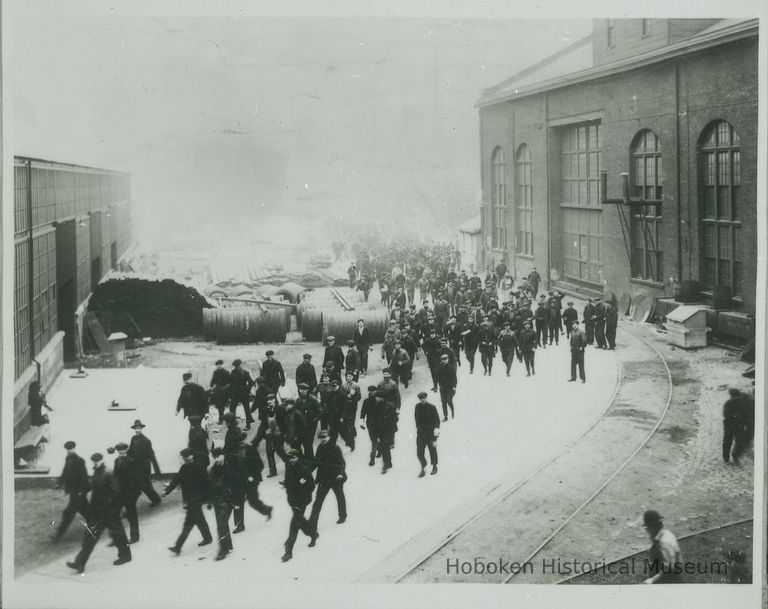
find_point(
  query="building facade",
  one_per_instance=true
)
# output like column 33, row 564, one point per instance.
column 671, row 102
column 72, row 225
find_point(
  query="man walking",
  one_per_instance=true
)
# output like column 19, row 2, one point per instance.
column 195, row 491
column 129, row 481
column 305, row 373
column 104, row 513
column 589, row 321
column 193, row 399
column 534, row 279
column 599, row 317
column 223, row 489
column 528, row 348
column 507, row 342
column 272, row 372
column 446, row 381
column 299, row 485
column 427, row 432
column 331, row 475
column 362, row 338
column 369, row 414
column 143, row 454
column 309, row 406
column 74, row 481
column 220, row 388
column 240, row 391
column 611, row 322
column 666, row 558
column 578, row 342
column 569, row 316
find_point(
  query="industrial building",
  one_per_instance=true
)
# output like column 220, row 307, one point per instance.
column 72, row 225
column 673, row 103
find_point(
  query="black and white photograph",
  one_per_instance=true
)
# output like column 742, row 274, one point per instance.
column 305, row 305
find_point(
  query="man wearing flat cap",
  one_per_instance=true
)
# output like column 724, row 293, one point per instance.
column 309, row 406
column 528, row 347
column 220, row 388
column 195, row 491
column 666, row 559
column 446, row 381
column 299, row 485
column 569, row 316
column 129, row 478
column 240, row 391
column 305, row 373
column 272, row 372
column 369, row 416
column 352, row 361
column 333, row 353
column 427, row 431
column 362, row 338
column 199, row 442
column 331, row 475
column 74, row 481
column 193, row 399
column 507, row 342
column 141, row 451
column 589, row 321
column 224, row 488
column 104, row 513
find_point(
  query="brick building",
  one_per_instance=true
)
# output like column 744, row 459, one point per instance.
column 72, row 224
column 671, row 102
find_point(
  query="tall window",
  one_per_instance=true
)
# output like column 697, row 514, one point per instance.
column 610, row 33
column 719, row 186
column 645, row 220
column 498, row 199
column 524, row 201
column 646, row 27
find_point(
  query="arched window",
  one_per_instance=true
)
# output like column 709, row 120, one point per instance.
column 498, row 199
column 524, row 200
column 645, row 224
column 720, row 219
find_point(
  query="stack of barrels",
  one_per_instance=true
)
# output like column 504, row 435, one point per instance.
column 321, row 314
column 246, row 324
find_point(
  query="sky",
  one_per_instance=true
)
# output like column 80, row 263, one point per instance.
column 226, row 122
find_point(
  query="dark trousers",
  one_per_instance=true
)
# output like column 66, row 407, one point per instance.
column 508, row 357
column 567, row 330
column 271, row 448
column 223, row 512
column 78, row 504
column 486, row 357
column 600, row 332
column 307, row 444
column 529, row 357
column 337, row 486
column 456, row 348
column 129, row 503
column 554, row 334
column 241, row 399
column 385, row 446
column 92, row 534
column 534, row 290
column 610, row 335
column 348, row 430
column 374, row 441
column 238, row 511
column 298, row 523
column 577, row 359
column 470, row 353
column 589, row 330
column 433, row 371
column 220, row 399
column 423, row 442
column 363, row 358
column 541, row 333
column 446, row 398
column 193, row 517
column 252, row 493
column 147, row 489
column 736, row 437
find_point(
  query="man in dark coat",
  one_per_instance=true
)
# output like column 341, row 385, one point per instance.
column 578, row 342
column 143, row 454
column 352, row 361
column 333, row 410
column 390, row 389
column 386, row 427
column 331, row 475
column 193, row 399
column 129, row 480
column 611, row 322
column 220, row 388
column 401, row 365
column 431, row 345
column 589, row 321
column 260, row 397
column 369, row 414
column 453, row 332
column 471, row 338
column 427, row 431
column 309, row 405
column 240, row 391
column 269, row 431
column 735, row 419
column 195, row 491
column 272, row 372
column 252, row 466
column 305, row 373
column 104, row 513
column 333, row 353
column 541, row 316
column 299, row 485
column 553, row 321
column 362, row 338
column 198, row 443
column 74, row 481
column 487, row 345
column 507, row 342
column 534, row 279
column 599, row 317
column 528, row 348
column 569, row 316
column 446, row 380
column 225, row 482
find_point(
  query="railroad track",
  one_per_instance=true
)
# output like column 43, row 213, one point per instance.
column 470, row 534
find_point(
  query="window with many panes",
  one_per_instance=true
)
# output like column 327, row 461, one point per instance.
column 524, row 200
column 580, row 159
column 498, row 199
column 720, row 219
column 645, row 219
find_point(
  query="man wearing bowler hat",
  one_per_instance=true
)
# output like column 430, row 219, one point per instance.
column 666, row 559
column 143, row 454
column 220, row 388
column 195, row 491
column 331, row 475
column 272, row 372
column 427, row 431
column 193, row 399
column 305, row 373
column 240, row 391
column 104, row 513
column 74, row 481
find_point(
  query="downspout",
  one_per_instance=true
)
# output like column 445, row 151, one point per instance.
column 512, row 215
column 679, row 274
column 549, row 193
column 30, row 264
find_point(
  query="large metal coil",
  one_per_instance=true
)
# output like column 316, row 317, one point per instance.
column 242, row 325
column 342, row 324
column 312, row 324
column 209, row 324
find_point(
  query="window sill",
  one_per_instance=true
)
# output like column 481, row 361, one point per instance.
column 647, row 282
column 738, row 300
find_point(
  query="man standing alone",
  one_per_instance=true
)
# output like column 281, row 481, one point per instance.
column 578, row 344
